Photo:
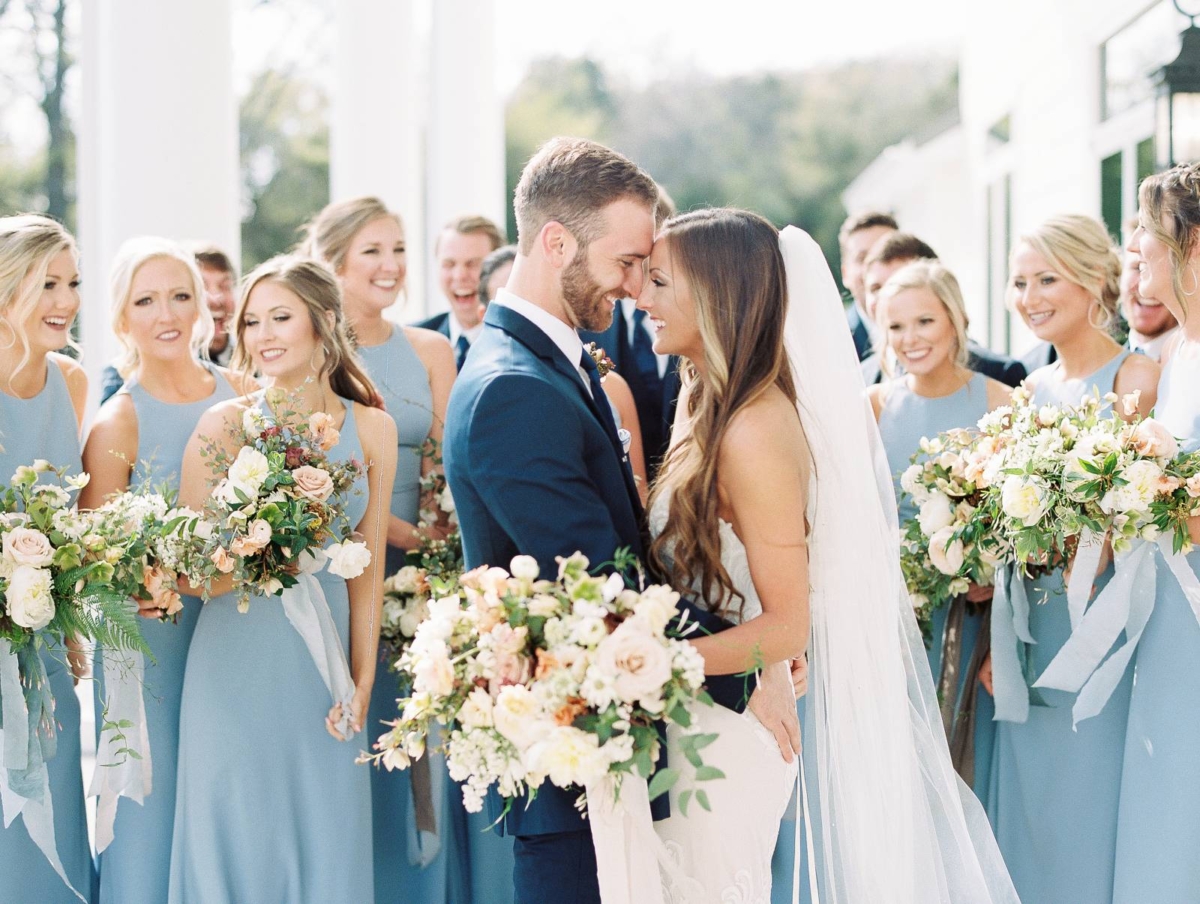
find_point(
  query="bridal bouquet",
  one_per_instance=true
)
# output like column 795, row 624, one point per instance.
column 946, row 547
column 534, row 680
column 274, row 507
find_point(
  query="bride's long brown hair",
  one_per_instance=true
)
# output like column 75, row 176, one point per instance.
column 732, row 262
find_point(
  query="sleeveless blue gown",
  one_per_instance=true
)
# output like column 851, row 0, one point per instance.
column 1054, row 791
column 135, row 867
column 269, row 807
column 906, row 418
column 468, row 858
column 1158, row 827
column 45, row 427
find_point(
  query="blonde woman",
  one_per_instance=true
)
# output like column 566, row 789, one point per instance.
column 1054, row 790
column 270, row 805
column 160, row 317
column 42, row 397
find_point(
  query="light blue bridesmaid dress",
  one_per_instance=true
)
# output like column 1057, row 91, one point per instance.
column 1158, row 827
column 467, row 859
column 1054, row 790
column 135, row 867
column 269, row 806
column 45, row 427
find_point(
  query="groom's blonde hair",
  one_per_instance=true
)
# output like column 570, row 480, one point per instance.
column 570, row 181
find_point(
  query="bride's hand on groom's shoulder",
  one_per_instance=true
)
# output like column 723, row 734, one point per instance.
column 774, row 705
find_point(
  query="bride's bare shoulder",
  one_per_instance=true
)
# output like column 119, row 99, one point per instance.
column 769, row 426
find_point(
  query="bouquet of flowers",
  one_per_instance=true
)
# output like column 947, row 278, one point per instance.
column 274, row 507
column 946, row 547
column 561, row 680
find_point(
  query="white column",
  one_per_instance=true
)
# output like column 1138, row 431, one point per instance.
column 376, row 122
column 466, row 118
column 158, row 141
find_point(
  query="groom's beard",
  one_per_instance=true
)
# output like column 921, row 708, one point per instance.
column 588, row 303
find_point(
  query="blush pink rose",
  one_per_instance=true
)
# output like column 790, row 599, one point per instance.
column 313, row 483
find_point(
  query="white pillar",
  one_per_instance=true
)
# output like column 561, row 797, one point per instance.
column 466, row 118
column 158, row 141
column 376, row 123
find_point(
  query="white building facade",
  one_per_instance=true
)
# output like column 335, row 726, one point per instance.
column 1056, row 116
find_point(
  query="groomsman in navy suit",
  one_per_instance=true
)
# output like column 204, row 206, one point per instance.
column 531, row 450
column 856, row 237
column 459, row 252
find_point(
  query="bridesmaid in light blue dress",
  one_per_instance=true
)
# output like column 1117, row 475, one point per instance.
column 1054, row 790
column 41, row 408
column 363, row 243
column 271, row 805
column 138, row 439
column 1158, row 833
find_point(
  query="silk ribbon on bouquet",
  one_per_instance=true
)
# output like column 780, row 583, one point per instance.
column 306, row 608
column 27, row 741
column 1010, row 646
column 123, row 767
column 629, row 852
column 1124, row 605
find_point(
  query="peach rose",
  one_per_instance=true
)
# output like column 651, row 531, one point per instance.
column 222, row 560
column 26, row 546
column 321, row 429
column 313, row 483
column 1152, row 439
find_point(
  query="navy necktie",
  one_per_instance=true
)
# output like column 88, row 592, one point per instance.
column 460, row 350
column 610, row 426
column 644, row 358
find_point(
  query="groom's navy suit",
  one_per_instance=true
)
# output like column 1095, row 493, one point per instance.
column 536, row 470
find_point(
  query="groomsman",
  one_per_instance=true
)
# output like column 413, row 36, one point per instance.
column 891, row 253
column 858, row 235
column 653, row 379
column 1151, row 326
column 459, row 251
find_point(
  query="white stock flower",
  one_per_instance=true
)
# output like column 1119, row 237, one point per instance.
column 589, row 631
column 26, row 546
column 30, row 603
column 476, row 710
column 249, row 470
column 936, row 512
column 637, row 661
column 1024, row 499
column 519, row 716
column 569, row 756
column 433, row 672
column 348, row 559
column 946, row 553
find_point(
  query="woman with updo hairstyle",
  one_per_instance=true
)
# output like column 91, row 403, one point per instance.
column 137, row 439
column 1053, row 798
column 42, row 398
column 362, row 242
column 1159, row 829
column 270, row 805
column 923, row 320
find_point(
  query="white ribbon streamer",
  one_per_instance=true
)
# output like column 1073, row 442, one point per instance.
column 629, row 852
column 32, row 802
column 123, row 766
column 307, row 609
column 1010, row 626
column 1083, row 573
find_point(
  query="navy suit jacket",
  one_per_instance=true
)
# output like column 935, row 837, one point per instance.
column 439, row 323
column 656, row 410
column 534, row 471
column 858, row 330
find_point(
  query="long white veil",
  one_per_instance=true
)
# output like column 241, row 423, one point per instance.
column 891, row 819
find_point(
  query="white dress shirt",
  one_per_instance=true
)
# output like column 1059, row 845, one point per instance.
column 560, row 334
column 456, row 330
column 1151, row 348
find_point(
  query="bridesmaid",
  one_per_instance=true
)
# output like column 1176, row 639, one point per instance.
column 137, row 439
column 42, row 398
column 270, row 805
column 363, row 243
column 1158, row 832
column 924, row 322
column 1054, row 790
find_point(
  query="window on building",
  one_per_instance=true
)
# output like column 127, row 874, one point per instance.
column 1111, row 194
column 1130, row 57
column 1147, row 160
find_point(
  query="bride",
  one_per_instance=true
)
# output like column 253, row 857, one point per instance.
column 774, row 504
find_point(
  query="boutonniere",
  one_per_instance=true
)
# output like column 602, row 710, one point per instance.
column 604, row 363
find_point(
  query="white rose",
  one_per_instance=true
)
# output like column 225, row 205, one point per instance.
column 1141, row 486
column 393, row 610
column 657, row 605
column 936, row 512
column 26, row 546
column 524, row 568
column 433, row 672
column 910, row 480
column 30, row 604
column 519, row 716
column 637, row 661
column 476, row 710
column 411, row 619
column 589, row 631
column 252, row 421
column 249, row 470
column 348, row 559
column 569, row 756
column 446, row 501
column 946, row 553
column 1023, row 499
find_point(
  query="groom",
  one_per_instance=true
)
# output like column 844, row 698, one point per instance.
column 532, row 453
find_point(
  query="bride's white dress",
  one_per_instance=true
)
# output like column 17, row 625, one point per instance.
column 728, row 850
